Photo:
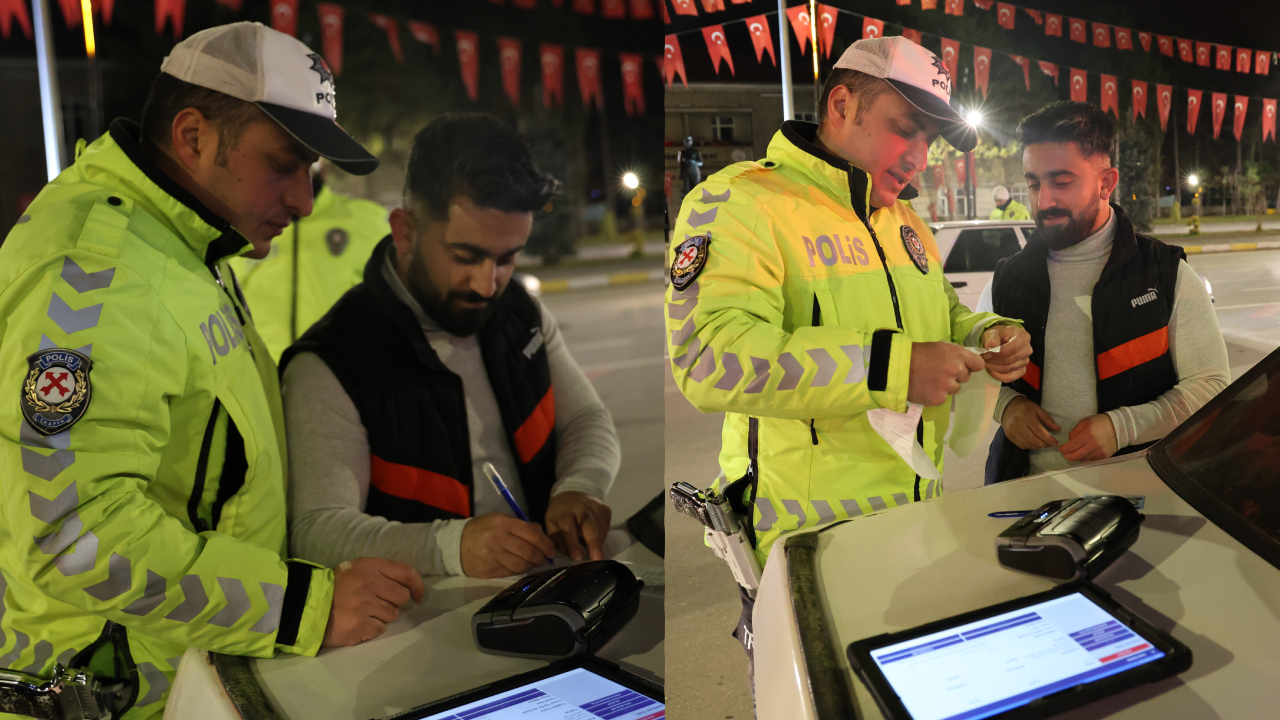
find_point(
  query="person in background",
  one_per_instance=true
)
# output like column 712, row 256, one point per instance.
column 1006, row 207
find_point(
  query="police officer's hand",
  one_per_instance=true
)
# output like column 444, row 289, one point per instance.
column 1011, row 362
column 1093, row 438
column 1025, row 424
column 574, row 514
column 367, row 595
column 497, row 545
column 938, row 369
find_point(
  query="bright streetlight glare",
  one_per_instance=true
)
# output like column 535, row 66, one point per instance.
column 1193, row 180
column 631, row 181
column 974, row 118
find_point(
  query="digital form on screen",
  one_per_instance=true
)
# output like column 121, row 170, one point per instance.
column 984, row 668
column 578, row 694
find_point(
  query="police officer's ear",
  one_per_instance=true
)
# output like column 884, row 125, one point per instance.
column 842, row 106
column 194, row 139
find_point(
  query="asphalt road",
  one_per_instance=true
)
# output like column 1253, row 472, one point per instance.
column 1246, row 226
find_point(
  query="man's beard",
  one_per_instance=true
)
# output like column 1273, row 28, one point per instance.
column 1076, row 228
column 462, row 322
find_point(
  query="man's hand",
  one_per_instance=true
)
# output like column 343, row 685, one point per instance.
column 1093, row 438
column 497, row 545
column 367, row 595
column 572, row 515
column 1010, row 362
column 938, row 369
column 1025, row 424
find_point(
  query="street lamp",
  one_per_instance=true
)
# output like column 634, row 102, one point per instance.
column 974, row 117
column 630, row 181
column 1193, row 183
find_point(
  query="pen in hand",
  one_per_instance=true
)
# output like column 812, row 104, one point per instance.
column 492, row 473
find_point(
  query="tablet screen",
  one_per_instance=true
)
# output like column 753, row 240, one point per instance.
column 577, row 694
column 987, row 667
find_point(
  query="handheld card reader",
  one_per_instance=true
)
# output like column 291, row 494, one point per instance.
column 558, row 613
column 1071, row 539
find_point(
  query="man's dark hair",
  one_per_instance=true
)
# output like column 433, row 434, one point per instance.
column 1086, row 125
column 479, row 156
column 861, row 85
column 170, row 96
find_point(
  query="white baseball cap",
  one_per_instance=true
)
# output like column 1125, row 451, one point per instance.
column 279, row 74
column 919, row 75
column 1000, row 193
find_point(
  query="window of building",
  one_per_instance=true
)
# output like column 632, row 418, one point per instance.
column 807, row 117
column 722, row 128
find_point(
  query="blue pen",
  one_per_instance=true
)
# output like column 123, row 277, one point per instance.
column 492, row 473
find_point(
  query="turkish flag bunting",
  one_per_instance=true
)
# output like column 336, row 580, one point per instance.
column 712, row 5
column 391, row 27
column 1026, row 68
column 1077, row 30
column 425, row 33
column 666, row 16
column 1185, row 52
column 673, row 62
column 284, row 15
column 904, row 2
column 1005, row 14
column 954, row 7
column 761, row 38
column 1193, row 109
column 1262, row 64
column 643, row 9
column 233, row 4
column 509, row 62
column 174, row 11
column 938, row 176
column 827, row 16
column 981, row 68
column 331, row 26
column 614, row 9
column 799, row 16
column 928, row 4
column 740, row 2
column 1203, row 57
column 1049, row 69
column 1219, row 112
column 1164, row 101
column 1101, row 35
column 1079, row 85
column 1237, row 119
column 973, row 171
column 469, row 61
column 1139, row 99
column 1035, row 16
column 872, row 28
column 588, row 62
column 1111, row 95
column 1268, row 119
column 551, row 57
column 632, row 83
column 716, row 46
column 684, row 7
column 11, row 10
column 1243, row 56
column 1053, row 25
column 912, row 35
column 984, row 4
column 70, row 12
column 1165, row 44
column 584, row 7
column 1124, row 38
column 950, row 55
column 1224, row 57
column 1144, row 38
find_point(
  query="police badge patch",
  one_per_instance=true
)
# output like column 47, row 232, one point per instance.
column 56, row 392
column 336, row 239
column 915, row 248
column 691, row 257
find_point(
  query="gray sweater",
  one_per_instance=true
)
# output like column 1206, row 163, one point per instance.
column 1069, row 382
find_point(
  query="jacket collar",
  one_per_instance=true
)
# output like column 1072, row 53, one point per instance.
column 209, row 236
column 796, row 145
column 393, row 309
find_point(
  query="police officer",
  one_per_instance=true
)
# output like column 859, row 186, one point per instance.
column 1006, row 207
column 315, row 261
column 690, row 161
column 806, row 293
column 142, row 453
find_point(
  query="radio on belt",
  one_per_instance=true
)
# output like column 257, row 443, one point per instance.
column 1070, row 539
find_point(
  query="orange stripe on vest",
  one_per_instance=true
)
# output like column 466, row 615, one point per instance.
column 533, row 434
column 1133, row 353
column 1032, row 375
column 411, row 483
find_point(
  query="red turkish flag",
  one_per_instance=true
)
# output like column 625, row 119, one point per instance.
column 827, row 16
column 391, row 27
column 960, row 170
column 588, row 62
column 1124, row 39
column 1243, row 56
column 1203, row 57
column 938, row 178
column 912, row 35
column 632, row 83
column 712, row 5
column 1268, row 119
column 284, row 16
column 509, row 62
column 1262, row 65
column 717, row 47
column 928, row 4
column 1077, row 30
column 904, row 2
column 1237, row 119
column 425, row 33
column 1185, row 52
column 1165, row 45
column 643, row 9
column 1026, row 68
column 1111, row 95
column 1219, row 112
column 950, row 55
column 1101, row 35
column 1145, row 39
column 761, row 38
column 71, row 12
column 872, row 28
column 1139, row 99
column 332, row 19
column 984, row 4
column 1035, row 15
column 954, row 7
column 551, row 58
column 1049, row 69
column 11, row 10
column 684, row 7
column 469, row 61
column 673, row 62
column 614, row 9
column 1079, row 85
column 1005, row 14
column 174, row 11
column 1164, row 101
column 584, row 7
column 981, row 68
column 107, row 8
column 1193, row 110
column 1053, row 25
column 666, row 16
column 1224, row 57
column 799, row 16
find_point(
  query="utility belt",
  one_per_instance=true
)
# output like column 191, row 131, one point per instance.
column 70, row 695
column 726, row 518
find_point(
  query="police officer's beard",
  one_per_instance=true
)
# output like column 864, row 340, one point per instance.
column 451, row 318
column 1076, row 228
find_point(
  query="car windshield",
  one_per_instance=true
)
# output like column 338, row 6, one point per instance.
column 1225, row 459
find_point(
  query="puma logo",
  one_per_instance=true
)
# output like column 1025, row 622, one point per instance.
column 1143, row 299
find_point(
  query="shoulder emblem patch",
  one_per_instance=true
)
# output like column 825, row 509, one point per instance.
column 337, row 240
column 691, row 257
column 56, row 392
column 915, row 248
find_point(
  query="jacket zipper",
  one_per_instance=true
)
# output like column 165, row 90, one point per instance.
column 817, row 321
column 202, row 468
column 217, row 276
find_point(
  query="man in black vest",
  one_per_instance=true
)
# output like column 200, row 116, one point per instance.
column 1125, row 341
column 437, row 364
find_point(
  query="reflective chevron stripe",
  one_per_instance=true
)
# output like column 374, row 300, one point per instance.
column 43, row 651
column 826, row 367
column 46, row 467
column 732, row 372
column 237, row 603
column 152, row 596
column 47, row 343
column 73, row 321
column 761, row 368
column 768, row 516
column 707, row 197
column 28, row 436
column 51, row 511
column 119, row 579
column 792, row 371
column 82, row 281
column 194, row 600
column 270, row 620
column 795, row 508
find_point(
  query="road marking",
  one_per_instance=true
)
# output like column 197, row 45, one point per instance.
column 1269, row 287
column 1266, row 311
column 1238, row 307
